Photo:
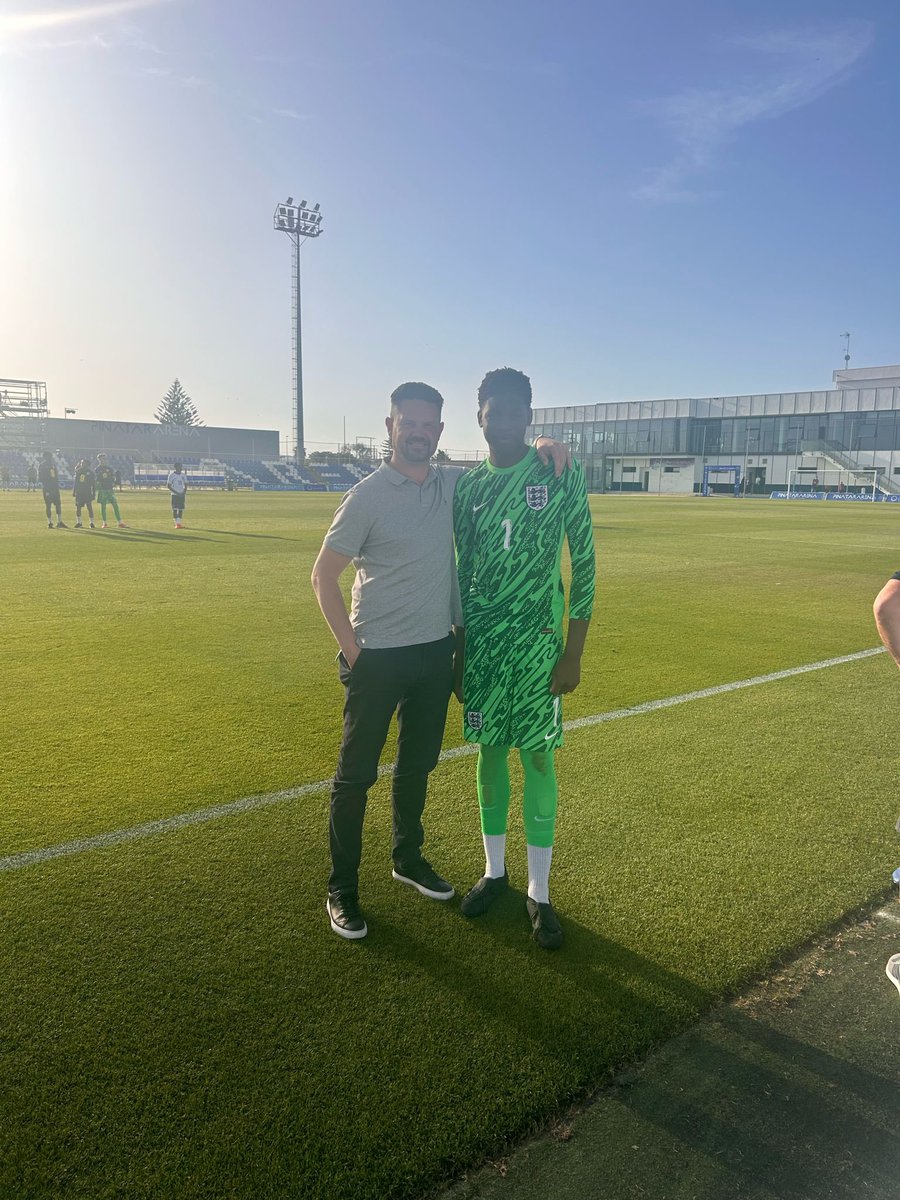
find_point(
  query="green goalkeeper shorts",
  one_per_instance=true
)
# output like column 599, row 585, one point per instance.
column 506, row 689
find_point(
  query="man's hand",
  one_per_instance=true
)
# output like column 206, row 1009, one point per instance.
column 351, row 654
column 566, row 675
column 550, row 451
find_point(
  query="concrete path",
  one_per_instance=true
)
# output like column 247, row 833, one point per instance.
column 788, row 1093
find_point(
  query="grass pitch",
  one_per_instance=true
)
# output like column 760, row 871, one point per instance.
column 177, row 1020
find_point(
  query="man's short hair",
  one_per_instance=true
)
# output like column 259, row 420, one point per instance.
column 178, row 466
column 506, row 382
column 416, row 391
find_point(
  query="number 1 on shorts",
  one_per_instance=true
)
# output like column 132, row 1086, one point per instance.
column 507, row 525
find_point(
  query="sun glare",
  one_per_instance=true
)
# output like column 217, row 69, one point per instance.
column 33, row 22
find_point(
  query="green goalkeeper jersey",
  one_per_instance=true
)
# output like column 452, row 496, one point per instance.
column 509, row 524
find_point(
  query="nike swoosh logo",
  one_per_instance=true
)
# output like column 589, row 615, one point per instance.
column 548, row 736
column 537, row 818
column 476, row 507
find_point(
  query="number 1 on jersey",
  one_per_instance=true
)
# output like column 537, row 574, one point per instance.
column 507, row 525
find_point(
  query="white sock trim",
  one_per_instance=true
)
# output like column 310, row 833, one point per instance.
column 539, row 858
column 494, row 854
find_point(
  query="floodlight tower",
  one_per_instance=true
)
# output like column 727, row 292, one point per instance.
column 846, row 350
column 299, row 222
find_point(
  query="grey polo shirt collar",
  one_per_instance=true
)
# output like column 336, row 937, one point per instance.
column 398, row 478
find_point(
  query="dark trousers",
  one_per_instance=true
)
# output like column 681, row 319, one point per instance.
column 415, row 682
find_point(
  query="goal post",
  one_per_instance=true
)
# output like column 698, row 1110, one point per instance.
column 834, row 481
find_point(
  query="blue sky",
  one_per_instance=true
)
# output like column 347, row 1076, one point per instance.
column 625, row 201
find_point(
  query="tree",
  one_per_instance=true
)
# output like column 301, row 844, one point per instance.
column 442, row 456
column 177, row 408
column 386, row 448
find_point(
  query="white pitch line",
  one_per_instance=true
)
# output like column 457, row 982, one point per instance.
column 32, row 858
column 670, row 701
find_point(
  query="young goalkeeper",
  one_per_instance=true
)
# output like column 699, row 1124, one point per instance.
column 510, row 517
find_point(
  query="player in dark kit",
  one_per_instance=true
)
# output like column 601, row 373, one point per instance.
column 510, row 518
column 83, row 490
column 48, row 474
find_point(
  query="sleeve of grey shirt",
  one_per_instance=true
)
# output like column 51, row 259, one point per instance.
column 350, row 527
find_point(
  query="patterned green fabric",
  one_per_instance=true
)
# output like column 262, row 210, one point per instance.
column 510, row 523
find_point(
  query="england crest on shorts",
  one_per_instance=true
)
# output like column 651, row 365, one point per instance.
column 536, row 495
column 475, row 720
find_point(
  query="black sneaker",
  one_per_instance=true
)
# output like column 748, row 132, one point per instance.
column 345, row 917
column 61, row 525
column 480, row 898
column 546, row 929
column 423, row 877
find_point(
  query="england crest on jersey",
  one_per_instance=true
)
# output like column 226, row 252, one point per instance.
column 536, row 495
column 475, row 720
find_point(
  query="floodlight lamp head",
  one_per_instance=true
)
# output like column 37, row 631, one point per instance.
column 290, row 200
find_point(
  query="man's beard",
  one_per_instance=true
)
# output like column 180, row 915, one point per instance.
column 418, row 451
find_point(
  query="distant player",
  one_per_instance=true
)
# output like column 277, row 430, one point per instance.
column 510, row 516
column 48, row 474
column 31, row 479
column 5, row 477
column 177, row 485
column 84, row 489
column 106, row 481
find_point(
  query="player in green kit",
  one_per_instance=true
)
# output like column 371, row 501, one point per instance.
column 106, row 481
column 511, row 516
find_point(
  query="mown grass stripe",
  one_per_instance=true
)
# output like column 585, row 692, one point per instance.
column 31, row 858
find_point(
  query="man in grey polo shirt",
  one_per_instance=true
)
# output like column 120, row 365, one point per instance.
column 396, row 644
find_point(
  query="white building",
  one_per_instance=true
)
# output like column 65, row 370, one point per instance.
column 663, row 446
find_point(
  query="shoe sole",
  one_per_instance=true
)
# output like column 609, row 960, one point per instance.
column 892, row 970
column 420, row 887
column 350, row 934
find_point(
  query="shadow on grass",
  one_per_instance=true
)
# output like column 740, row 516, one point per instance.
column 270, row 537
column 132, row 534
column 769, row 1110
